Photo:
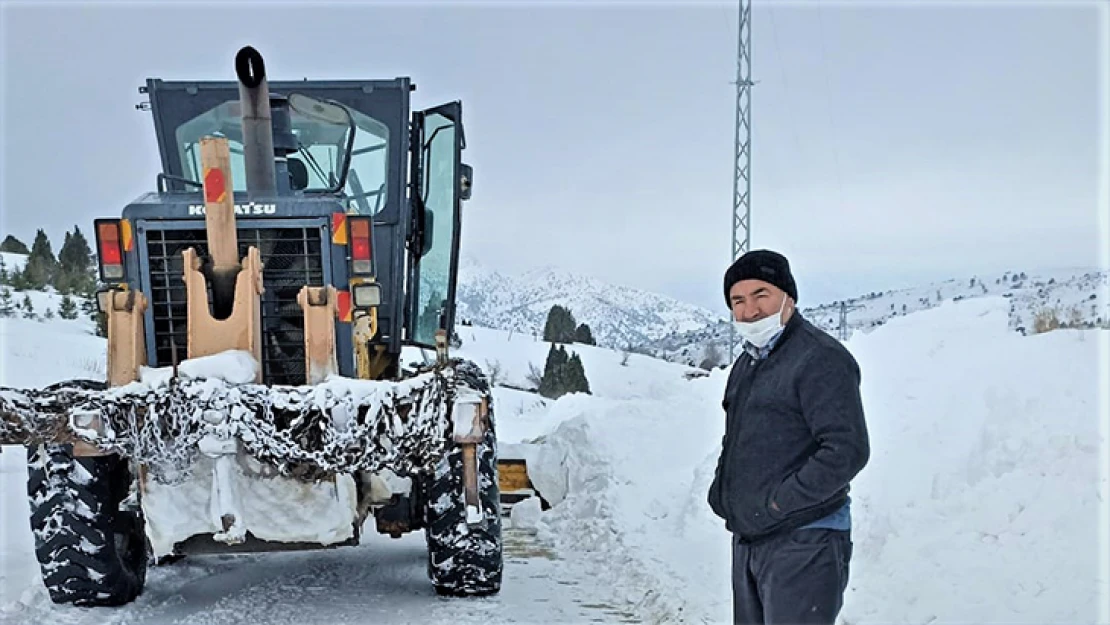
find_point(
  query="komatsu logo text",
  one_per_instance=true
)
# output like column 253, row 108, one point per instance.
column 251, row 208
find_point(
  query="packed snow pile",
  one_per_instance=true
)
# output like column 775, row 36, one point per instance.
column 234, row 366
column 984, row 500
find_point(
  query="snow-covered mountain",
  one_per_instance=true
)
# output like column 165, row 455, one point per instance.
column 618, row 316
column 1078, row 298
column 623, row 317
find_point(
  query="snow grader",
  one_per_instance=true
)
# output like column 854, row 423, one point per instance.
column 262, row 306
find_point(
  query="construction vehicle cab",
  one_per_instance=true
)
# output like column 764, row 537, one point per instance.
column 358, row 192
column 310, row 228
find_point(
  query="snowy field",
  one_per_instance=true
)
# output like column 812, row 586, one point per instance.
column 985, row 499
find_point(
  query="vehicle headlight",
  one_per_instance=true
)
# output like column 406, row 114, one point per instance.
column 366, row 295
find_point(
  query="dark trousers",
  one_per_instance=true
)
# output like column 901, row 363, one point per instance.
column 799, row 577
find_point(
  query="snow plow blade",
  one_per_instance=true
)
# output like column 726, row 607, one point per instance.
column 340, row 425
column 514, row 480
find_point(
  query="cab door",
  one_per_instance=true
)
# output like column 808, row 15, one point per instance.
column 440, row 181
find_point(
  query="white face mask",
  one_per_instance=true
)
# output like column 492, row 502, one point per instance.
column 760, row 333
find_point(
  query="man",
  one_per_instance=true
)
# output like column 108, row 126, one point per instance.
column 795, row 437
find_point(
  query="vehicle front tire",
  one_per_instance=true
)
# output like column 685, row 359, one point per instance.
column 465, row 559
column 92, row 551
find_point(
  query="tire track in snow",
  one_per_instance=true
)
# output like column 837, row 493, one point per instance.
column 381, row 581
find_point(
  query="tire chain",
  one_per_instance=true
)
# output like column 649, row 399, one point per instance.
column 309, row 432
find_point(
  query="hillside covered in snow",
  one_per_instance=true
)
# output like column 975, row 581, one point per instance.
column 625, row 318
column 618, row 316
column 1078, row 298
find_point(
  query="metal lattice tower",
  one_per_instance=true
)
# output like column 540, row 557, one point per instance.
column 741, row 180
column 843, row 332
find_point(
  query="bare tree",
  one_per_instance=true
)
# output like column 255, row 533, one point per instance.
column 494, row 371
column 535, row 376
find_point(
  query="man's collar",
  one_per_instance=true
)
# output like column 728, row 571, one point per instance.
column 759, row 353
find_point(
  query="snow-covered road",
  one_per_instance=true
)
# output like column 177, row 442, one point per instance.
column 381, row 581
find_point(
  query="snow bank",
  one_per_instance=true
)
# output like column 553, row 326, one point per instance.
column 983, row 501
column 626, row 502
column 33, row 354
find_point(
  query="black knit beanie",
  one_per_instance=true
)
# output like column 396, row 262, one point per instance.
column 764, row 265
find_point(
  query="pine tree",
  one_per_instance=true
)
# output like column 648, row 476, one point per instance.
column 7, row 308
column 68, row 308
column 49, row 314
column 583, row 335
column 551, row 384
column 5, row 278
column 13, row 245
column 42, row 267
column 560, row 325
column 27, row 307
column 17, row 279
column 576, row 376
column 562, row 374
column 568, row 326
column 549, row 328
column 75, row 264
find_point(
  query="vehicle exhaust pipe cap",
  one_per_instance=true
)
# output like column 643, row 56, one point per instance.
column 249, row 67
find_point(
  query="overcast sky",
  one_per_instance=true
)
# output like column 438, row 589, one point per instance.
column 890, row 143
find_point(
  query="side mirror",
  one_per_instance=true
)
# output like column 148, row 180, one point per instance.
column 429, row 231
column 466, row 180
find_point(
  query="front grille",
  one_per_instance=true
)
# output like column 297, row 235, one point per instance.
column 291, row 258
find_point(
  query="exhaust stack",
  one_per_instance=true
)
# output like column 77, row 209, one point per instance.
column 258, row 134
